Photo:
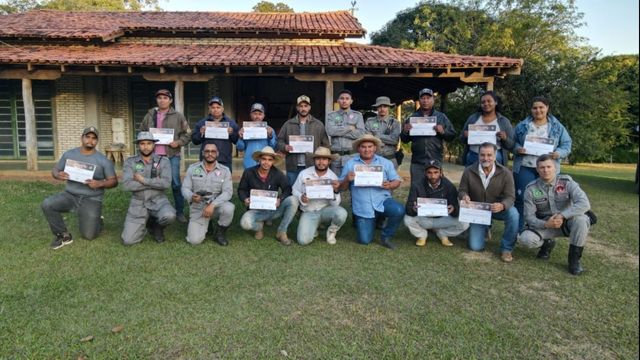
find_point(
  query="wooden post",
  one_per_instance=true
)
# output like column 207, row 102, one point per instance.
column 328, row 97
column 178, row 103
column 30, row 125
column 490, row 85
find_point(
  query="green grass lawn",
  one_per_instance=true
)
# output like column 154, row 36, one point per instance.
column 257, row 299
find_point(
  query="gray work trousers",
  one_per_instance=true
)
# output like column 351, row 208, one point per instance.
column 444, row 226
column 135, row 224
column 198, row 224
column 578, row 230
column 88, row 209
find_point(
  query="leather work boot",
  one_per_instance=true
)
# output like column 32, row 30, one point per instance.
column 506, row 256
column 575, row 254
column 545, row 250
column 445, row 241
column 282, row 237
column 387, row 243
column 219, row 236
column 421, row 242
column 259, row 233
column 158, row 233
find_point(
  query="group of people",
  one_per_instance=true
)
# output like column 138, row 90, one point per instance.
column 324, row 160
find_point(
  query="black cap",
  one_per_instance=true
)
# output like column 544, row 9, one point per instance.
column 433, row 164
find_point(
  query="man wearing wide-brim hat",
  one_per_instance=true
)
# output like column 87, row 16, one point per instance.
column 147, row 176
column 373, row 201
column 265, row 176
column 385, row 127
column 319, row 207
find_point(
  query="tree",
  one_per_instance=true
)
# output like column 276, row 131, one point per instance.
column 16, row 6
column 267, row 6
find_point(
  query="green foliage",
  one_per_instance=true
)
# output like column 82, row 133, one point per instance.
column 267, row 6
column 16, row 6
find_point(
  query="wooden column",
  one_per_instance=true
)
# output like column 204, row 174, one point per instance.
column 30, row 125
column 178, row 104
column 328, row 96
column 489, row 86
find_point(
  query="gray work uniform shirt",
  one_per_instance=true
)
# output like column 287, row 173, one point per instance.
column 216, row 183
column 157, row 178
column 386, row 129
column 344, row 126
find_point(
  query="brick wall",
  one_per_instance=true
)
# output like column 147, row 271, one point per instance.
column 227, row 41
column 69, row 113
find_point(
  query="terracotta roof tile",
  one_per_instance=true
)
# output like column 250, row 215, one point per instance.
column 346, row 55
column 108, row 25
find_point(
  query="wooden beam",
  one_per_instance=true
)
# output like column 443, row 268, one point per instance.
column 355, row 69
column 195, row 70
column 227, row 70
column 325, row 77
column 62, row 69
column 29, row 67
column 178, row 97
column 489, row 86
column 162, row 70
column 290, row 69
column 30, row 125
column 129, row 69
column 259, row 69
column 35, row 75
column 328, row 96
column 96, row 68
column 153, row 76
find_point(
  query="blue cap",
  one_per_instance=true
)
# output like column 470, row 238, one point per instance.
column 216, row 99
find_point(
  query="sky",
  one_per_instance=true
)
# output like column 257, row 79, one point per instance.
column 610, row 25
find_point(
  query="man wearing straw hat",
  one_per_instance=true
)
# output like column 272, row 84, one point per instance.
column 147, row 175
column 319, row 209
column 265, row 176
column 386, row 128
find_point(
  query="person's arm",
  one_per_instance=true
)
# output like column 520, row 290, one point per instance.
column 324, row 139
column 241, row 145
column 579, row 201
column 410, row 206
column 283, row 139
column 243, row 186
column 233, row 137
column 334, row 130
column 510, row 140
column 449, row 132
column 359, row 130
column 163, row 180
column 452, row 199
column 393, row 137
column 227, row 190
column 518, row 137
column 128, row 183
column 463, row 188
column 404, row 134
column 187, row 186
column 283, row 184
column 564, row 143
column 196, row 136
column 146, row 122
column 273, row 141
column 110, row 180
column 298, row 189
column 464, row 134
column 509, row 190
column 184, row 136
column 529, row 211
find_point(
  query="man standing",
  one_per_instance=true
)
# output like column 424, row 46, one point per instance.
column 87, row 173
column 489, row 182
column 257, row 114
column 386, row 128
column 165, row 117
column 147, row 176
column 343, row 126
column 209, row 188
column 435, row 186
column 425, row 148
column 374, row 201
column 319, row 210
column 302, row 124
column 555, row 205
column 265, row 176
column 215, row 117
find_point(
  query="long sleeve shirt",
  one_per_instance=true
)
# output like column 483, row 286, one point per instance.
column 299, row 188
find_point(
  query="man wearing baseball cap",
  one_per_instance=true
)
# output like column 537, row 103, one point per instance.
column 249, row 146
column 386, row 128
column 147, row 176
column 434, row 186
column 217, row 117
column 425, row 148
column 302, row 124
column 87, row 172
column 164, row 116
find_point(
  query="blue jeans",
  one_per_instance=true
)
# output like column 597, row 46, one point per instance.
column 473, row 157
column 293, row 175
column 477, row 231
column 365, row 228
column 335, row 216
column 522, row 179
column 287, row 210
column 176, row 186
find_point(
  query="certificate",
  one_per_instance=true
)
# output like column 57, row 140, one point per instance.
column 262, row 199
column 480, row 134
column 216, row 130
column 79, row 171
column 163, row 135
column 538, row 145
column 423, row 126
column 254, row 130
column 319, row 189
column 432, row 207
column 301, row 143
column 368, row 175
column 475, row 212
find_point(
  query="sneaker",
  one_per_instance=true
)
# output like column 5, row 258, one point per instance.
column 61, row 240
column 282, row 237
column 387, row 243
column 421, row 242
column 259, row 233
column 181, row 218
column 445, row 241
column 506, row 256
column 331, row 236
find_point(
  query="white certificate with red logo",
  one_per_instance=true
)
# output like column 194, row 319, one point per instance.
column 475, row 212
column 368, row 175
column 301, row 144
column 263, row 199
column 319, row 189
column 538, row 145
column 163, row 135
column 480, row 134
column 423, row 126
column 254, row 130
column 79, row 171
column 432, row 207
column 216, row 130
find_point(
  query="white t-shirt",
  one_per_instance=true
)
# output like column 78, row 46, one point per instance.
column 476, row 148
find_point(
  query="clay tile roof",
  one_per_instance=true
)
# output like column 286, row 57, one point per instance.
column 108, row 25
column 346, row 55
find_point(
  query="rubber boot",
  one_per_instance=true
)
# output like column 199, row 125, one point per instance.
column 575, row 253
column 219, row 237
column 545, row 250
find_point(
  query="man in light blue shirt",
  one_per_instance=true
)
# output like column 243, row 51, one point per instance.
column 257, row 113
column 371, row 202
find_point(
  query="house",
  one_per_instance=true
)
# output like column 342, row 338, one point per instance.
column 61, row 71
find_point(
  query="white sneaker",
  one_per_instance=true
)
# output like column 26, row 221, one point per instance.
column 331, row 236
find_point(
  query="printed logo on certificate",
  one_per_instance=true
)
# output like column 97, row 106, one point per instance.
column 216, row 130
column 301, row 144
column 319, row 189
column 475, row 212
column 480, row 134
column 262, row 199
column 368, row 175
column 538, row 145
column 423, row 126
column 254, row 130
column 164, row 136
column 432, row 207
column 79, row 171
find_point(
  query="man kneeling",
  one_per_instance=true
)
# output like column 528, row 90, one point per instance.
column 317, row 208
column 555, row 205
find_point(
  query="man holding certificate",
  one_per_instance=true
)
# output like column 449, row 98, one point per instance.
column 147, row 176
column 371, row 178
column 433, row 206
column 87, row 173
column 217, row 128
column 172, row 131
column 255, row 135
column 299, row 137
column 266, row 186
column 486, row 183
column 317, row 192
column 425, row 147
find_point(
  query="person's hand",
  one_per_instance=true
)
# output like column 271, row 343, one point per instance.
column 269, row 131
column 555, row 155
column 501, row 135
column 466, row 133
column 497, row 207
column 139, row 178
column 439, row 129
column 174, row 145
column 554, row 222
column 196, row 198
column 522, row 151
column 415, row 206
column 62, row 176
column 407, row 127
column 241, row 133
column 94, row 184
column 247, row 201
column 288, row 148
column 351, row 176
column 387, row 185
column 207, row 212
column 304, row 198
column 278, row 203
column 336, row 185
column 230, row 130
column 450, row 209
column 202, row 130
column 466, row 198
column 352, row 127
